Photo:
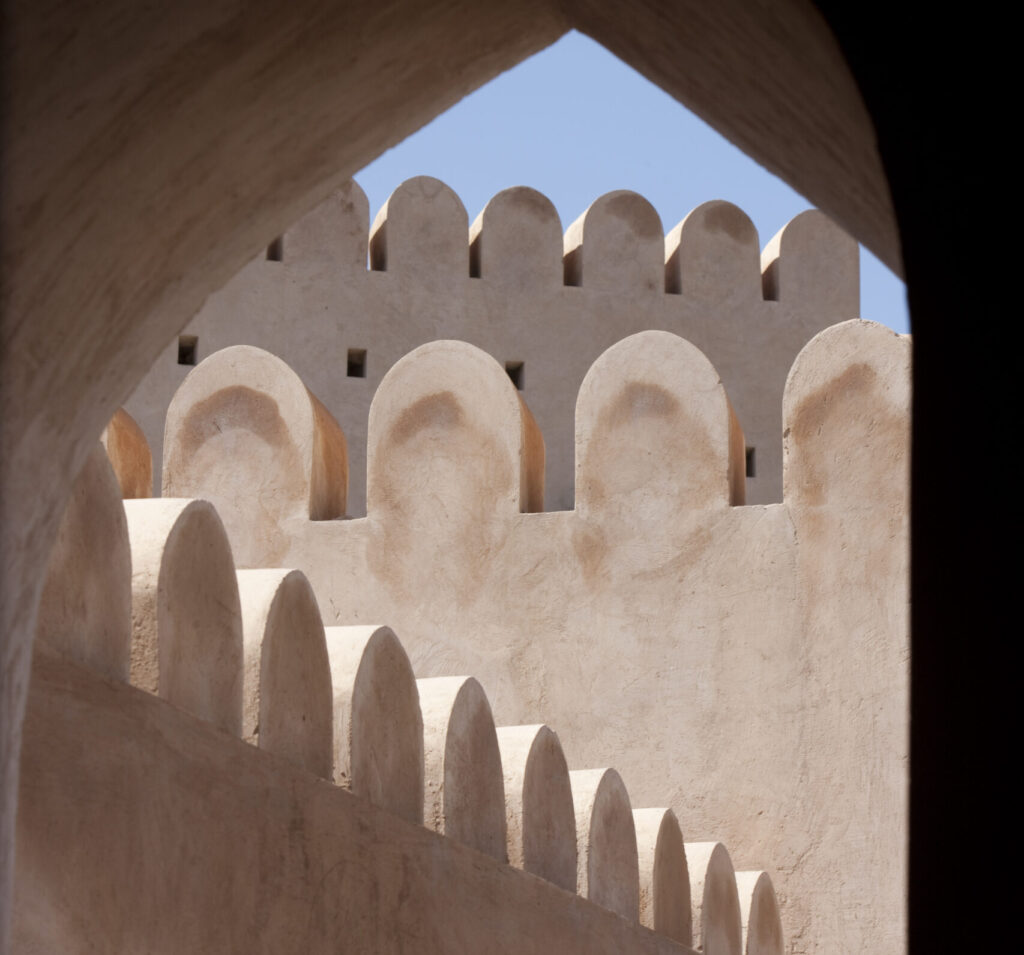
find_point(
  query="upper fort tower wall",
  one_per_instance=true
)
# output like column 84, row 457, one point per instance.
column 341, row 302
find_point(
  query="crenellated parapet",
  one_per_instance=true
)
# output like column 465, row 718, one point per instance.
column 735, row 660
column 213, row 658
column 341, row 301
column 730, row 637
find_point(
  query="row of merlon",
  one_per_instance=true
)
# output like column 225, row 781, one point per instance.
column 652, row 420
column 618, row 245
column 146, row 591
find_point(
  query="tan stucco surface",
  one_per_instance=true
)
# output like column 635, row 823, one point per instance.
column 130, row 455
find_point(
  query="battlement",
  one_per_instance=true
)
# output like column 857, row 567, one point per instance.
column 717, row 649
column 451, row 441
column 243, row 655
column 341, row 302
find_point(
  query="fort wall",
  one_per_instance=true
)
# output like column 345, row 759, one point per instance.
column 543, row 304
column 749, row 661
column 273, row 798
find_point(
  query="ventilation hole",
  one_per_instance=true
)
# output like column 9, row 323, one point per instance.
column 187, row 345
column 751, row 464
column 356, row 363
column 275, row 251
column 515, row 372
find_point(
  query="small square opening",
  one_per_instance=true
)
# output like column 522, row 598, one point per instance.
column 751, row 463
column 515, row 372
column 187, row 346
column 356, row 363
column 275, row 251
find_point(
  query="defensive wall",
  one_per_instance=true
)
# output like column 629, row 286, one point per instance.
column 208, row 768
column 543, row 304
column 745, row 664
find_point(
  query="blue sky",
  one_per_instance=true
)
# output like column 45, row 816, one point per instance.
column 574, row 122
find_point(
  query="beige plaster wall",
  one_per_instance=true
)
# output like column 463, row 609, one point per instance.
column 507, row 290
column 748, row 660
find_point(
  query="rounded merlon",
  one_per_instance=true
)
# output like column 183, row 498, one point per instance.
column 186, row 614
column 759, row 912
column 85, row 610
column 332, row 237
column 245, row 433
column 608, row 870
column 129, row 454
column 617, row 244
column 664, row 877
column 846, row 411
column 655, row 433
column 516, row 242
column 464, row 792
column 538, row 803
column 714, row 256
column 378, row 728
column 447, row 426
column 420, row 233
column 287, row 690
column 717, row 927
